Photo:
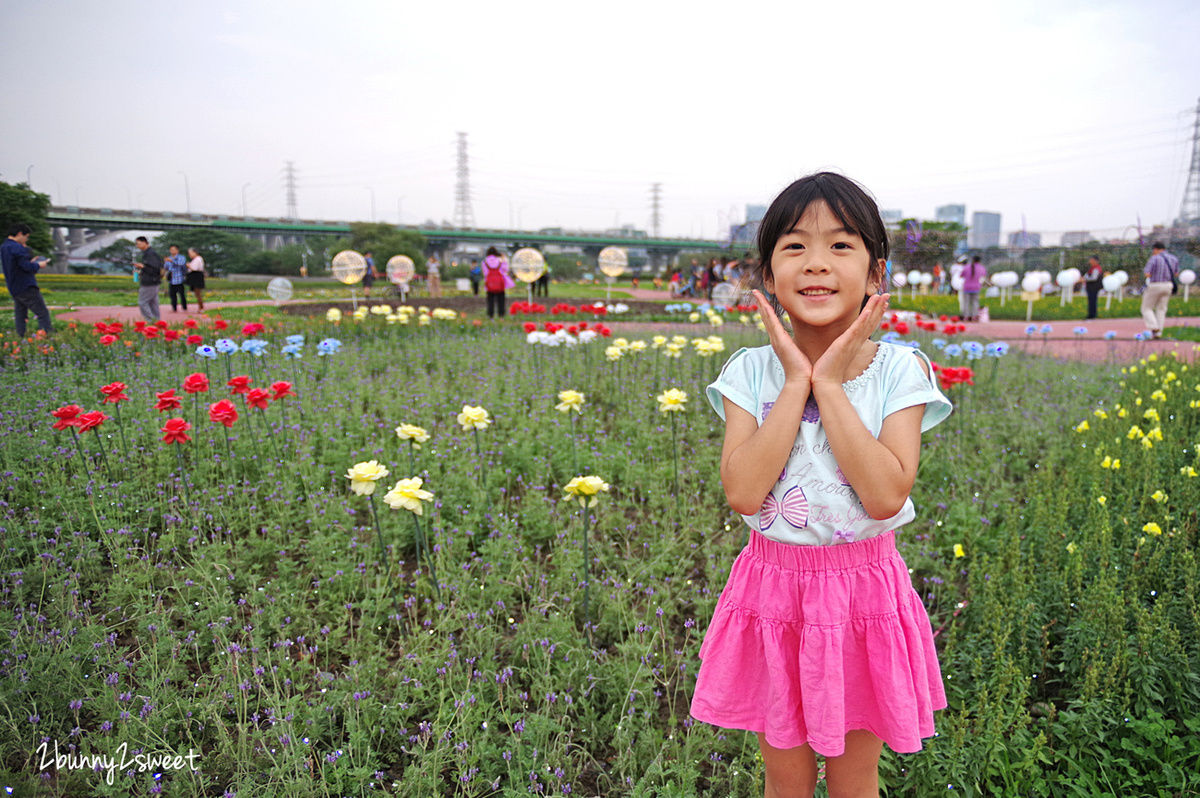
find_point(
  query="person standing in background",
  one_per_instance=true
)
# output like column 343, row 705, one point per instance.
column 150, row 274
column 369, row 275
column 433, row 273
column 176, row 266
column 1160, row 284
column 476, row 275
column 973, row 276
column 1093, row 281
column 20, row 276
column 195, row 276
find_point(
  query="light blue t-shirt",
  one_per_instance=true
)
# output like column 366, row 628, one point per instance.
column 813, row 504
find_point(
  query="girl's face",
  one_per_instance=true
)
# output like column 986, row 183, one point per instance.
column 821, row 272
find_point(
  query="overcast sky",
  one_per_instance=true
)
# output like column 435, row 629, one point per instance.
column 1071, row 115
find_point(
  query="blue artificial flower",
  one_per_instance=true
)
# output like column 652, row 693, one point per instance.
column 1031, row 329
column 974, row 349
column 226, row 346
column 329, row 346
column 1047, row 329
column 1081, row 330
column 255, row 346
column 206, row 351
column 1111, row 334
column 997, row 349
column 1143, row 336
column 890, row 337
column 291, row 350
column 953, row 350
column 295, row 340
column 686, row 307
column 938, row 343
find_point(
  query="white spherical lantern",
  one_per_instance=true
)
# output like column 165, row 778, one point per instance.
column 349, row 266
column 280, row 289
column 1065, row 278
column 1187, row 277
column 1031, row 282
column 1111, row 283
column 1005, row 279
column 1123, row 275
column 400, row 269
column 900, row 279
column 528, row 265
column 914, row 277
column 957, row 282
column 613, row 261
column 926, row 279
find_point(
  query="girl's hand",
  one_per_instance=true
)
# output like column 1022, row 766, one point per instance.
column 840, row 356
column 796, row 368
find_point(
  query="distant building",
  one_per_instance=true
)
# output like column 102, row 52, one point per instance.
column 984, row 231
column 755, row 213
column 1076, row 238
column 746, row 234
column 952, row 213
column 891, row 216
column 1024, row 240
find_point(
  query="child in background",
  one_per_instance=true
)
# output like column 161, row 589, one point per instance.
column 819, row 643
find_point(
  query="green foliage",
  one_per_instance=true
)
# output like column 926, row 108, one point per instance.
column 122, row 254
column 287, row 260
column 19, row 203
column 384, row 240
column 223, row 253
column 937, row 244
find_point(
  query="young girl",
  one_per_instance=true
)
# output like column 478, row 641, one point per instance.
column 819, row 642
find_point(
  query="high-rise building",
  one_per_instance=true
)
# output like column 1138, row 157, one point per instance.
column 952, row 213
column 755, row 213
column 984, row 231
column 891, row 216
column 746, row 234
column 1076, row 238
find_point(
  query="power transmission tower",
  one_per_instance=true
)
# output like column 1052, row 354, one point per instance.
column 1189, row 210
column 289, row 184
column 464, row 216
column 655, row 209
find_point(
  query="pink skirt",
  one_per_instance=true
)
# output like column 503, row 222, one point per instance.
column 810, row 642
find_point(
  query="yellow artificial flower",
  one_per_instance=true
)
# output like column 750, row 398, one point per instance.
column 613, row 353
column 1116, row 463
column 1152, row 528
column 1159, row 395
column 1138, row 401
column 1159, row 496
column 424, row 320
column 1151, row 414
column 658, row 341
column 637, row 346
column 1102, row 499
column 473, row 418
column 586, row 490
column 672, row 400
column 1071, row 548
column 958, row 551
column 717, row 342
column 363, row 477
column 1100, row 414
column 407, row 495
column 333, row 314
column 570, row 400
column 1188, row 471
column 411, row 432
column 1083, row 426
column 1147, row 443
column 361, row 313
column 1155, row 434
column 1152, row 358
column 444, row 314
column 1134, row 433
column 1106, row 462
column 1195, row 403
column 673, row 350
column 715, row 320
column 621, row 343
column 1122, row 413
column 693, row 317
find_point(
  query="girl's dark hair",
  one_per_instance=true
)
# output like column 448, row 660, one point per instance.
column 848, row 201
column 493, row 251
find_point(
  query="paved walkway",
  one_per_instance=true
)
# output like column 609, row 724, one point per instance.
column 1061, row 342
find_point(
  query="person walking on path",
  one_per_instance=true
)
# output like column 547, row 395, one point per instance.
column 973, row 276
column 496, row 280
column 1093, row 281
column 1160, row 284
column 150, row 274
column 20, row 276
column 195, row 277
column 176, row 266
column 433, row 273
column 476, row 275
column 369, row 275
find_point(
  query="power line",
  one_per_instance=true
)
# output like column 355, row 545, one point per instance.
column 1189, row 208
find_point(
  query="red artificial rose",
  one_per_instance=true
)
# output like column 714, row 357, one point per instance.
column 223, row 412
column 902, row 328
column 90, row 420
column 101, row 327
column 67, row 416
column 950, row 376
column 251, row 329
column 162, row 325
column 529, row 326
column 107, row 340
column 220, row 324
column 259, row 398
column 191, row 324
column 114, row 392
column 239, row 384
column 573, row 329
column 138, row 326
column 281, row 390
column 167, row 400
column 196, row 383
column 176, row 430
column 603, row 331
column 150, row 332
column 883, row 325
column 195, row 340
column 116, row 328
column 172, row 335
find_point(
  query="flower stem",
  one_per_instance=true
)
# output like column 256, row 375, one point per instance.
column 82, row 456
column 437, row 590
column 587, row 610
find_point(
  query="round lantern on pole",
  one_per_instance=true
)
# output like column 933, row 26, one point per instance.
column 349, row 267
column 527, row 266
column 613, row 262
column 280, row 290
column 1187, row 277
column 400, row 271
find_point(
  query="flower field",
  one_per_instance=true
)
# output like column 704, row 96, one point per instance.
column 381, row 556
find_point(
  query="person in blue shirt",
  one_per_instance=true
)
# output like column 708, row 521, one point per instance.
column 176, row 266
column 20, row 275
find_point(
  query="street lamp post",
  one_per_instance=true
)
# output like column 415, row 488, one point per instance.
column 187, row 191
column 244, row 187
column 29, row 175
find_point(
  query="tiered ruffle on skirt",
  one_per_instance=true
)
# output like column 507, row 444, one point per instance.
column 810, row 642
